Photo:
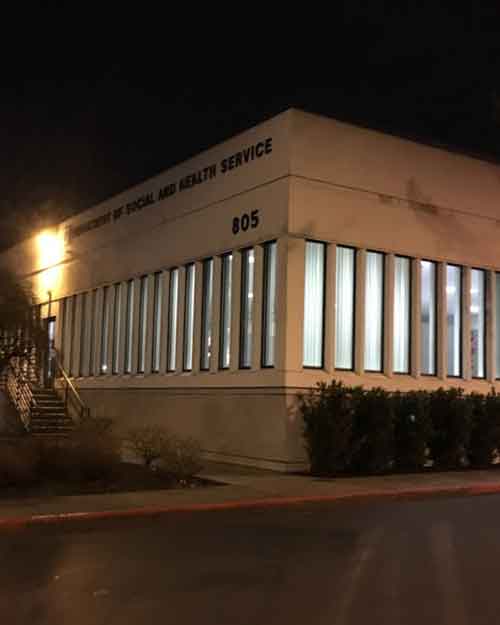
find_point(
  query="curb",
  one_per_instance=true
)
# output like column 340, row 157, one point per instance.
column 248, row 504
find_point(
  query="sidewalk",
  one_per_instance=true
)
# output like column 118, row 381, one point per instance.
column 244, row 488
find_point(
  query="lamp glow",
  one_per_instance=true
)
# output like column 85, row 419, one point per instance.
column 50, row 254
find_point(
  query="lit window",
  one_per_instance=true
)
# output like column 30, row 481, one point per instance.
column 104, row 330
column 374, row 311
column 478, row 322
column 189, row 317
column 117, row 327
column 402, row 314
column 173, row 306
column 158, row 296
column 92, row 341
column 269, row 310
column 344, row 308
column 428, row 318
column 72, row 337
column 314, row 298
column 83, row 329
column 129, row 326
column 226, row 298
column 143, row 312
column 206, row 315
column 247, row 305
column 454, row 319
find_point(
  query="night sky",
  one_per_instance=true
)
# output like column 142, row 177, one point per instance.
column 67, row 144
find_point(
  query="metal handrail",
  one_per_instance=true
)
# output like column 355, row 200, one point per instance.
column 19, row 390
column 69, row 388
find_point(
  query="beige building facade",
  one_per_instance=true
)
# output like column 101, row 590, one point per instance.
column 300, row 251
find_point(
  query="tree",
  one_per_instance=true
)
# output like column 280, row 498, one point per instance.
column 20, row 324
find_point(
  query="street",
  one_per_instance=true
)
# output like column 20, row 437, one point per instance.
column 393, row 562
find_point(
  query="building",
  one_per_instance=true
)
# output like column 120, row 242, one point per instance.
column 299, row 251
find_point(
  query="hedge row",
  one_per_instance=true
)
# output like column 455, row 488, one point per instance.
column 366, row 431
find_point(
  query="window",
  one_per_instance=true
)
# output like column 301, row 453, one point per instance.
column 374, row 311
column 454, row 319
column 497, row 293
column 83, row 329
column 478, row 322
column 225, row 317
column 104, row 330
column 157, row 303
column 72, row 337
column 314, row 302
column 269, row 305
column 92, row 341
column 247, row 301
column 63, row 306
column 143, row 316
column 402, row 314
column 117, row 328
column 344, row 308
column 428, row 317
column 189, row 317
column 129, row 326
column 173, row 306
column 206, row 315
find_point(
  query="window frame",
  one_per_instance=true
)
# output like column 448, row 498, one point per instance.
column 384, row 329
column 264, row 322
column 323, row 328
column 410, row 318
column 461, row 308
column 354, row 308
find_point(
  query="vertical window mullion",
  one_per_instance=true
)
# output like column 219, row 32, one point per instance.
column 314, row 304
column 269, row 305
column 226, row 305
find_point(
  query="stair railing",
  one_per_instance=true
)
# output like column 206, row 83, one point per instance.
column 19, row 390
column 73, row 404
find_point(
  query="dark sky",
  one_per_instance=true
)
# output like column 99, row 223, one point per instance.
column 66, row 144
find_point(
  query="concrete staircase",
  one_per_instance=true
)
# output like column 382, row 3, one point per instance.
column 49, row 416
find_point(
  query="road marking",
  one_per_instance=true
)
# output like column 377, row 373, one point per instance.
column 362, row 557
column 448, row 577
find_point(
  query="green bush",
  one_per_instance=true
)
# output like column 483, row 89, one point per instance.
column 412, row 430
column 328, row 428
column 147, row 442
column 19, row 462
column 181, row 457
column 373, row 431
column 485, row 434
column 451, row 415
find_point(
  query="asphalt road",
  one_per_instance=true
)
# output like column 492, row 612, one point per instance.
column 434, row 561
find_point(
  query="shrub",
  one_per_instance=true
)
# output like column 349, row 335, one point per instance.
column 19, row 463
column 147, row 442
column 451, row 415
column 56, row 460
column 373, row 431
column 485, row 434
column 328, row 428
column 181, row 457
column 412, row 429
column 94, row 449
